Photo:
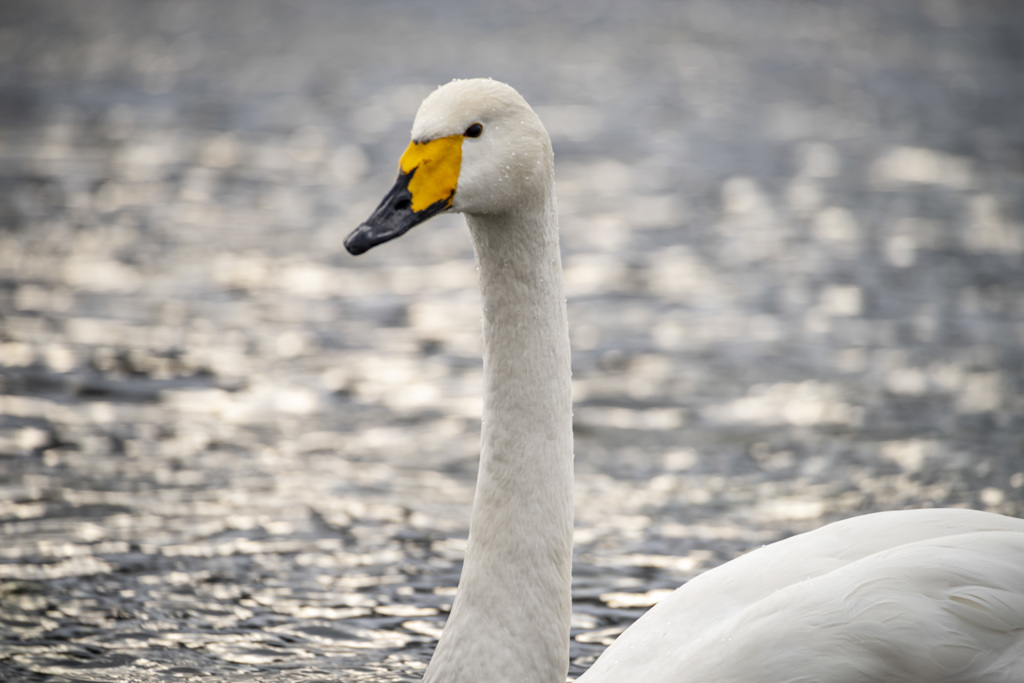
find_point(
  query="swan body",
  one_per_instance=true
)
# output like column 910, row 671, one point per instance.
column 932, row 596
column 914, row 595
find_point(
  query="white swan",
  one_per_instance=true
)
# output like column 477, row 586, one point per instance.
column 924, row 595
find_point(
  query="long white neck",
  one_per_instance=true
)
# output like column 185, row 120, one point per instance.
column 510, row 619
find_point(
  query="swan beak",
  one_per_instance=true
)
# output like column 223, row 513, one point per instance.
column 427, row 177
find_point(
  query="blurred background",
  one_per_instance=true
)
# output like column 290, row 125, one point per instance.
column 793, row 235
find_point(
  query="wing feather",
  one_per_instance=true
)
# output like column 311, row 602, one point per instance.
column 926, row 595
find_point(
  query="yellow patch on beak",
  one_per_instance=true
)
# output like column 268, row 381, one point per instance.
column 436, row 163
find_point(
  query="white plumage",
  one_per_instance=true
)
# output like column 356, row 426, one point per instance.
column 930, row 596
column 915, row 595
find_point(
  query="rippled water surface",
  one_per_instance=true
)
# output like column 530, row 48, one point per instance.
column 793, row 237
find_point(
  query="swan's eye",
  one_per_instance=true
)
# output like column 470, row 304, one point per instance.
column 474, row 131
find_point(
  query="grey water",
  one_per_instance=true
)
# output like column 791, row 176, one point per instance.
column 793, row 236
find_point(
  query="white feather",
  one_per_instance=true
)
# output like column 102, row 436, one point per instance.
column 917, row 595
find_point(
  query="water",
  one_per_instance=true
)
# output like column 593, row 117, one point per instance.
column 792, row 238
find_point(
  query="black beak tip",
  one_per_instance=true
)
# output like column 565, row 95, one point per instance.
column 392, row 218
column 357, row 242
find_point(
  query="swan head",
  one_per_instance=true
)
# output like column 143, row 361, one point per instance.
column 477, row 148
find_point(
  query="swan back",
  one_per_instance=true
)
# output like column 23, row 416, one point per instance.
column 915, row 595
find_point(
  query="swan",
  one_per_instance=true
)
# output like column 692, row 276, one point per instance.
column 919, row 595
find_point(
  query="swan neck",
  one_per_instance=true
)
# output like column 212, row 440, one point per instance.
column 510, row 619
